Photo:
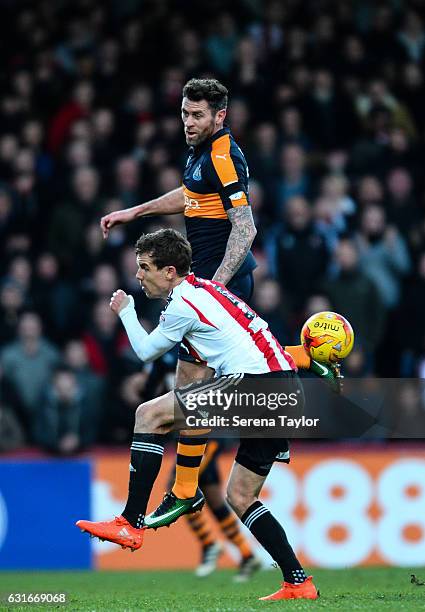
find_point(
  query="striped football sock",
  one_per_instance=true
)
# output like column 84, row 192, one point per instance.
column 229, row 525
column 201, row 528
column 190, row 451
column 146, row 457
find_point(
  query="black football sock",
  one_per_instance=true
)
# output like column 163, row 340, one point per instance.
column 146, row 457
column 272, row 537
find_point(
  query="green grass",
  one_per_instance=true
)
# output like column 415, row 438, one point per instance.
column 371, row 589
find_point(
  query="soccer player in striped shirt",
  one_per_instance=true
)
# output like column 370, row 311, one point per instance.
column 233, row 342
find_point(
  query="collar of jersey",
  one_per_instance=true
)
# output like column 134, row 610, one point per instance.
column 190, row 278
column 207, row 143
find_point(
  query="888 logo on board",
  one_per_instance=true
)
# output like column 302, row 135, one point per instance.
column 344, row 512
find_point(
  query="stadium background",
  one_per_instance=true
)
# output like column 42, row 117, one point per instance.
column 327, row 103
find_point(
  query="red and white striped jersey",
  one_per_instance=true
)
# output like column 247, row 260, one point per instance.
column 217, row 328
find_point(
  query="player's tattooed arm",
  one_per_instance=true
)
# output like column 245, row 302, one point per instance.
column 240, row 240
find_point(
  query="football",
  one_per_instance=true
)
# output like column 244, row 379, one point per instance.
column 327, row 337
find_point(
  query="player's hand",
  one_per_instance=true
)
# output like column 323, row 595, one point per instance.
column 117, row 217
column 119, row 300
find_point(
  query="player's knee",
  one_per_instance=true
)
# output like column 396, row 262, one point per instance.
column 239, row 500
column 145, row 418
column 151, row 417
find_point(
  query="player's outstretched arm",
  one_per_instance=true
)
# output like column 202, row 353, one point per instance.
column 240, row 240
column 147, row 347
column 170, row 203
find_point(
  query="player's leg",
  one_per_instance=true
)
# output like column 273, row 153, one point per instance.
column 191, row 446
column 211, row 485
column 248, row 475
column 185, row 496
column 230, row 527
column 331, row 373
column 200, row 525
column 153, row 420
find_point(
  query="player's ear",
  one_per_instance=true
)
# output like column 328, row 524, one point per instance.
column 171, row 272
column 220, row 116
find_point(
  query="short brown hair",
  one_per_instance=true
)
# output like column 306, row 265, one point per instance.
column 210, row 90
column 167, row 247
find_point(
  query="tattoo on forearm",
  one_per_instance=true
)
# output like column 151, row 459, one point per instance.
column 239, row 242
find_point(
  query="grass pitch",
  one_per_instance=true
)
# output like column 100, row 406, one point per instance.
column 368, row 589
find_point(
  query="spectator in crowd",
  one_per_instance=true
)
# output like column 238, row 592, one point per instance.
column 66, row 229
column 104, row 142
column 76, row 359
column 79, row 106
column 291, row 128
column 383, row 254
column 66, row 421
column 104, row 340
column 299, row 254
column 334, row 210
column 410, row 330
column 402, row 208
column 12, row 301
column 380, row 98
column 8, row 216
column 328, row 115
column 411, row 37
column 262, row 156
column 102, row 283
column 412, row 93
column 353, row 293
column 408, row 410
column 54, row 298
column 269, row 305
column 127, row 181
column 221, row 44
column 370, row 190
column 12, row 435
column 28, row 363
column 294, row 179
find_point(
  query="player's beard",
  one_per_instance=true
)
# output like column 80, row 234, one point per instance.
column 207, row 132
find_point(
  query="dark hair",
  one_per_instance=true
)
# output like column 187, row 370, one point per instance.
column 210, row 90
column 167, row 247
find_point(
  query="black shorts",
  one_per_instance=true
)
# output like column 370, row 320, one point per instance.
column 255, row 454
column 259, row 454
column 242, row 287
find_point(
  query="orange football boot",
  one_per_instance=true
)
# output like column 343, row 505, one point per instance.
column 118, row 531
column 304, row 590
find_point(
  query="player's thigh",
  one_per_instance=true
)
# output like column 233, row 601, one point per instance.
column 188, row 372
column 243, row 488
column 158, row 411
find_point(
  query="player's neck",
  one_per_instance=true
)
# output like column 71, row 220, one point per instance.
column 217, row 129
column 174, row 283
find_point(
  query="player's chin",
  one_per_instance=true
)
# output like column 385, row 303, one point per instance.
column 192, row 140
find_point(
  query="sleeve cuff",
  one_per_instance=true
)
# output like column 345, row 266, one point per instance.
column 128, row 309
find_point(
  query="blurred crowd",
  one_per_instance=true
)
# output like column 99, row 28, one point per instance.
column 327, row 102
